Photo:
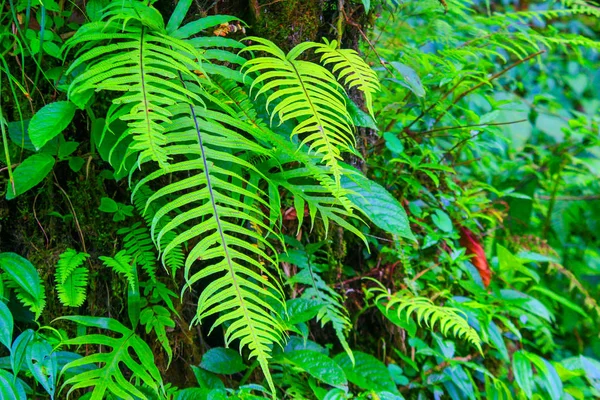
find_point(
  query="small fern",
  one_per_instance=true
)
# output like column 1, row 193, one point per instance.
column 332, row 303
column 138, row 244
column 448, row 319
column 71, row 278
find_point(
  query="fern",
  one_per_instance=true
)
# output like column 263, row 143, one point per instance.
column 332, row 306
column 109, row 378
column 122, row 263
column 448, row 319
column 175, row 259
column 352, row 69
column 138, row 244
column 306, row 92
column 71, row 278
column 237, row 291
column 158, row 318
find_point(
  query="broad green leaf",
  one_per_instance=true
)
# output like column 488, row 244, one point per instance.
column 359, row 117
column 318, row 365
column 497, row 340
column 549, row 377
column 207, row 380
column 29, row 285
column 125, row 351
column 10, row 388
column 393, row 143
column 302, row 310
column 93, row 9
column 199, row 25
column 526, row 303
column 42, row 364
column 49, row 121
column 523, row 373
column 108, row 205
column 29, row 173
column 367, row 372
column 367, row 5
column 222, row 361
column 379, row 205
column 442, row 221
column 6, row 325
column 19, row 349
column 410, row 79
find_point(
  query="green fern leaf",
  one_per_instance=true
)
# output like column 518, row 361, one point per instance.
column 138, row 244
column 332, row 304
column 352, row 69
column 109, row 378
column 306, row 92
column 122, row 264
column 204, row 210
column 158, row 318
column 448, row 319
column 125, row 55
column 71, row 278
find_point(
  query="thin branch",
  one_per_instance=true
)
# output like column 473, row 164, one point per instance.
column 449, row 128
column 491, row 79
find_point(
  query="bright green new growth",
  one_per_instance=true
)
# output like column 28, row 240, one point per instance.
column 448, row 319
column 307, row 92
column 72, row 278
column 351, row 69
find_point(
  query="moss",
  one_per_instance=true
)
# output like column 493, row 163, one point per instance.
column 287, row 23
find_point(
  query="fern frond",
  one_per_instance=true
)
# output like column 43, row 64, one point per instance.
column 109, row 378
column 122, row 263
column 158, row 318
column 71, row 278
column 125, row 55
column 448, row 319
column 308, row 93
column 332, row 304
column 213, row 204
column 138, row 244
column 352, row 69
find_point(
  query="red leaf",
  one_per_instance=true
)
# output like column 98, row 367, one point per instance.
column 474, row 248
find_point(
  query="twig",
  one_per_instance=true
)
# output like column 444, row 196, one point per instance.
column 492, row 78
column 79, row 231
column 570, row 198
column 449, row 128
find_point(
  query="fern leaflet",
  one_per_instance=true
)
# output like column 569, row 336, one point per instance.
column 71, row 278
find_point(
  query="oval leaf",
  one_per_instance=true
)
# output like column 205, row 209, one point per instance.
column 23, row 273
column 367, row 372
column 49, row 121
column 222, row 361
column 6, row 327
column 319, row 366
column 378, row 205
column 29, row 173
